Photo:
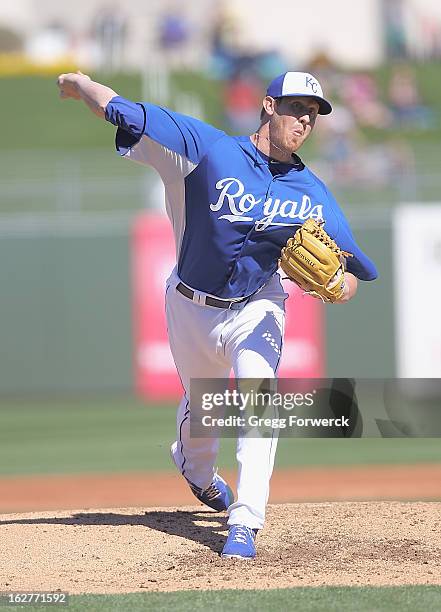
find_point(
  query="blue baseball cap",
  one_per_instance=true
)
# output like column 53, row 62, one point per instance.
column 299, row 84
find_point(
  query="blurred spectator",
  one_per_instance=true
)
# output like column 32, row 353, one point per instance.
column 173, row 30
column 242, row 100
column 110, row 33
column 360, row 95
column 270, row 63
column 232, row 51
column 224, row 36
column 405, row 100
column 322, row 66
column 395, row 29
column 174, row 33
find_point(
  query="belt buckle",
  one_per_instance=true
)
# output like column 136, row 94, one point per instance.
column 238, row 305
column 198, row 298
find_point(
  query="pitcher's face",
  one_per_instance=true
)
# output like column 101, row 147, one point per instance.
column 292, row 120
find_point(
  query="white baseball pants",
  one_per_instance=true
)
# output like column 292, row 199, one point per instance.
column 207, row 342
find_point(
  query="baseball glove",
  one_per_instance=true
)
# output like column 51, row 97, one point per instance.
column 315, row 262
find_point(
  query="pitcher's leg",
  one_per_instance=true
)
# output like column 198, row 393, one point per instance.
column 194, row 457
column 195, row 345
column 256, row 354
column 255, row 458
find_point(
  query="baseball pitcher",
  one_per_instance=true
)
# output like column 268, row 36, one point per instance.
column 240, row 207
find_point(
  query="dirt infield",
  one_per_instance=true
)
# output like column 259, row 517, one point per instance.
column 166, row 549
column 379, row 482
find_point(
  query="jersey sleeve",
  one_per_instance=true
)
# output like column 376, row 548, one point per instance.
column 360, row 265
column 172, row 143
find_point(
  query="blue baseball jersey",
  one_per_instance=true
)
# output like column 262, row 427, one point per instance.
column 231, row 207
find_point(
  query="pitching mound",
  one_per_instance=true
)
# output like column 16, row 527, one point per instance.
column 169, row 549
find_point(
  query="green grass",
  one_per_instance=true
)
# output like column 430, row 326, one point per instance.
column 39, row 119
column 304, row 599
column 89, row 435
column 83, row 435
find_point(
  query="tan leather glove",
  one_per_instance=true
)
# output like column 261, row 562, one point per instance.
column 315, row 262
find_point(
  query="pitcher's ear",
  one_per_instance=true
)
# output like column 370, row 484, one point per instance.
column 269, row 105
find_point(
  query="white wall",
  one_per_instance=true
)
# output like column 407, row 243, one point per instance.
column 31, row 15
column 431, row 8
column 18, row 14
column 349, row 31
column 418, row 332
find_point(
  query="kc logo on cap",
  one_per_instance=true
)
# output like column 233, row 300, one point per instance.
column 310, row 82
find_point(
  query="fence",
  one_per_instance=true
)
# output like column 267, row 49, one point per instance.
column 65, row 312
column 44, row 180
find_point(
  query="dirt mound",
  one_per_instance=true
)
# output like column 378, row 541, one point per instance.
column 168, row 549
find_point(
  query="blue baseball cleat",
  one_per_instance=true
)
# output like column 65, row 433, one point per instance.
column 217, row 496
column 240, row 543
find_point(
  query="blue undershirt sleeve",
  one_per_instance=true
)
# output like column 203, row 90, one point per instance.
column 129, row 117
column 359, row 265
